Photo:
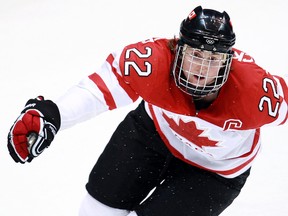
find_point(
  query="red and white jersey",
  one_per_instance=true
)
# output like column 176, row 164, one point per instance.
column 223, row 138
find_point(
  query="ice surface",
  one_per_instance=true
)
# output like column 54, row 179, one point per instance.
column 48, row 45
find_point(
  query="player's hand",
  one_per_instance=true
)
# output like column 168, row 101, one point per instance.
column 33, row 130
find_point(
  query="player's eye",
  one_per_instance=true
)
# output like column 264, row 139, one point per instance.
column 198, row 54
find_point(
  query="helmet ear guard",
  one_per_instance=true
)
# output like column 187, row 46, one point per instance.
column 210, row 32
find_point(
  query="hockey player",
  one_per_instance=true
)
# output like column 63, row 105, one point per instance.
column 193, row 137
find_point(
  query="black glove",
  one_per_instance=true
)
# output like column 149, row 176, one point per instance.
column 33, row 130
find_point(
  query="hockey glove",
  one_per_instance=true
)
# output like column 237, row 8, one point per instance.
column 33, row 130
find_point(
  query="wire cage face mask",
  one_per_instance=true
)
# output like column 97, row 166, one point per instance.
column 200, row 72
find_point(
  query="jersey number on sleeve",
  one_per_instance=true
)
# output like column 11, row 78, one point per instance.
column 272, row 111
column 148, row 67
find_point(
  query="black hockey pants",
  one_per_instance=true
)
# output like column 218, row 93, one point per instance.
column 136, row 160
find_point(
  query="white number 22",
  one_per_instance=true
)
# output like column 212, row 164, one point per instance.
column 128, row 64
column 272, row 111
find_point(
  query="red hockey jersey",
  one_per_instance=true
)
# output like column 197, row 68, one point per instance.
column 223, row 138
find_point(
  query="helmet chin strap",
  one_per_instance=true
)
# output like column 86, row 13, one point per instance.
column 210, row 97
column 204, row 102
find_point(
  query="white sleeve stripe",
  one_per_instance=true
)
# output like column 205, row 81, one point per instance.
column 120, row 96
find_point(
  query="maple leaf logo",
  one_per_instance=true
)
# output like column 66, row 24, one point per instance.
column 190, row 131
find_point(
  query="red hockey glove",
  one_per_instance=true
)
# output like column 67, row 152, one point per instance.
column 33, row 130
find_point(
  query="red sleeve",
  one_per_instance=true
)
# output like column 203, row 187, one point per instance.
column 250, row 98
column 146, row 67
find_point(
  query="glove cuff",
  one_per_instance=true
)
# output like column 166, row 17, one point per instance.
column 48, row 108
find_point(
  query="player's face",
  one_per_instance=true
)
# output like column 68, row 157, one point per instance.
column 200, row 67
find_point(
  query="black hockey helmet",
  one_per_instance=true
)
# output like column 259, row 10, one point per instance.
column 208, row 29
column 210, row 32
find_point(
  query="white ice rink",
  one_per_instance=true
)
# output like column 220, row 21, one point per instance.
column 48, row 45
